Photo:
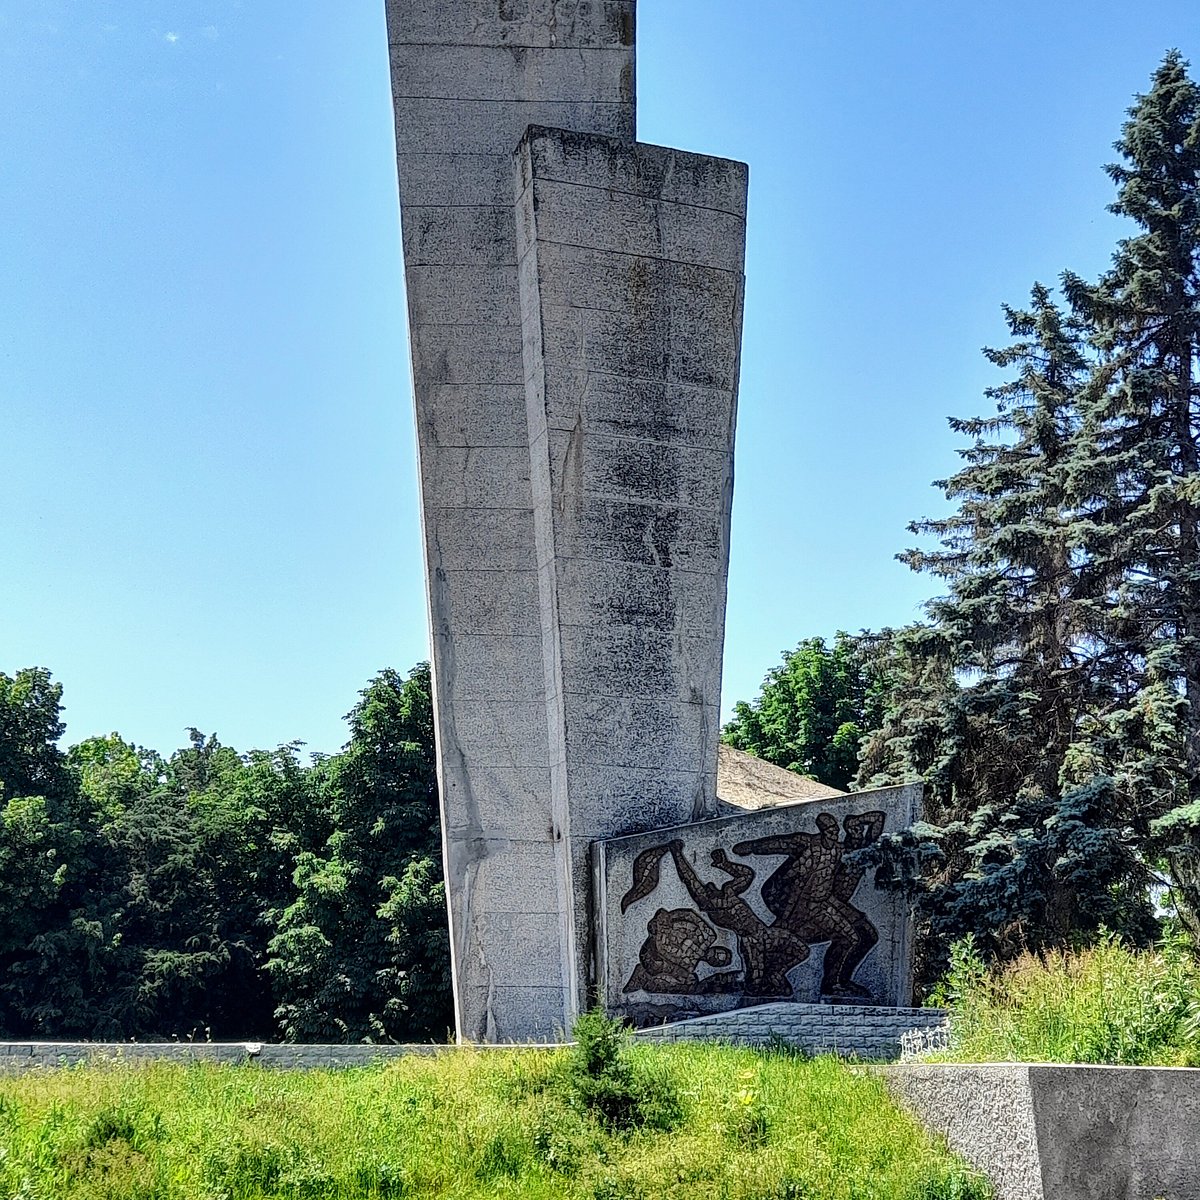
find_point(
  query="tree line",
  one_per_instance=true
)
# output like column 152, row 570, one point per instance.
column 218, row 895
column 1051, row 699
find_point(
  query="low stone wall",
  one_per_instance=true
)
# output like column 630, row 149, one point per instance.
column 860, row 1031
column 1051, row 1132
column 24, row 1056
column 854, row 1030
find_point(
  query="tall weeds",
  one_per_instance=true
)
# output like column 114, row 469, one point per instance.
column 1104, row 1004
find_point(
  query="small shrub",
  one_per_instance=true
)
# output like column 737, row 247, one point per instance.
column 503, row 1156
column 602, row 1079
column 114, row 1171
column 247, row 1169
column 110, row 1159
column 565, row 1139
column 114, row 1124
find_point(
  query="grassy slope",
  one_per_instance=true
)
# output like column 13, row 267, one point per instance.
column 465, row 1125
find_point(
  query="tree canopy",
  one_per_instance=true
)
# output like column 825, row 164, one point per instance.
column 1051, row 699
column 1062, row 744
column 813, row 710
column 218, row 894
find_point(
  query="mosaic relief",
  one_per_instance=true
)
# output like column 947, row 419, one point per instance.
column 809, row 896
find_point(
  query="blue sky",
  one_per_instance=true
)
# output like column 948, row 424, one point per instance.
column 208, row 512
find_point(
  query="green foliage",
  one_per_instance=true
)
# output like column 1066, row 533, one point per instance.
column 604, row 1079
column 217, row 894
column 468, row 1125
column 361, row 952
column 813, row 709
column 1104, row 1004
column 54, row 947
column 1052, row 701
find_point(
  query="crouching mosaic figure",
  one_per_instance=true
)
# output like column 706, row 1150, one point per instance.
column 678, row 942
column 808, row 897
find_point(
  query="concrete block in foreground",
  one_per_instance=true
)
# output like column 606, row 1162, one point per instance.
column 1058, row 1132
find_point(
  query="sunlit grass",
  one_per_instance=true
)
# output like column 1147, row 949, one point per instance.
column 741, row 1125
column 1105, row 1004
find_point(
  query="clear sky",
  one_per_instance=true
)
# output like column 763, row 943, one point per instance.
column 208, row 512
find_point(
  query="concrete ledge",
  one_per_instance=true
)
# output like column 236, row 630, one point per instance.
column 852, row 1030
column 857, row 1031
column 1059, row 1132
column 16, row 1057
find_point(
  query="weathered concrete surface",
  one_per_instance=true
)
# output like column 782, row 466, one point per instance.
column 630, row 270
column 18, row 1057
column 1050, row 1132
column 576, row 330
column 769, row 905
column 468, row 78
column 857, row 1031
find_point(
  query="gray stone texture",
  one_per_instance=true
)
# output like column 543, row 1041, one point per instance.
column 17, row 1057
column 1051, row 1132
column 628, row 935
column 848, row 1030
column 631, row 305
column 851, row 1031
column 468, row 78
column 575, row 305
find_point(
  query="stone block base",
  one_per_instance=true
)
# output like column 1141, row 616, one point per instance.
column 850, row 1030
column 1051, row 1132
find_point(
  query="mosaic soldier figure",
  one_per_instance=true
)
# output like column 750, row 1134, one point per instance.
column 768, row 952
column 810, row 894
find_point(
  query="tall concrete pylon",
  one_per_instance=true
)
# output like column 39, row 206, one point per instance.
column 575, row 312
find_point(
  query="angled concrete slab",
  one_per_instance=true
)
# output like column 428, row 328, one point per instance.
column 575, row 316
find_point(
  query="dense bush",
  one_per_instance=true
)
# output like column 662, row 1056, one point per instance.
column 212, row 894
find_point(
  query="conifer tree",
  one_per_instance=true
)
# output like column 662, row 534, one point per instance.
column 1032, row 843
column 1136, row 473
column 1063, row 754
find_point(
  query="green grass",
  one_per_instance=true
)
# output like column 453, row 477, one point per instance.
column 728, row 1124
column 1105, row 1004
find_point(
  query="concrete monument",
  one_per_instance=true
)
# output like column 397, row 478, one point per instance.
column 575, row 306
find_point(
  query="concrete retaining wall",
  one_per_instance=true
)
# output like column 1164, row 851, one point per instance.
column 1051, row 1132
column 860, row 1031
column 23, row 1056
column 841, row 1029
